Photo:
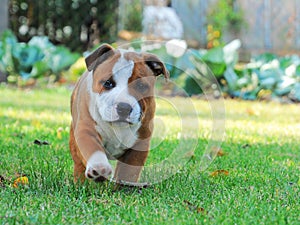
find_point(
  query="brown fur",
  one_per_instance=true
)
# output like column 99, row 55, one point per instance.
column 85, row 140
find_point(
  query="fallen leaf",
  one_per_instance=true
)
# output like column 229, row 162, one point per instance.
column 219, row 172
column 59, row 132
column 195, row 208
column 36, row 123
column 190, row 154
column 2, row 180
column 217, row 151
column 246, row 145
column 39, row 142
column 221, row 152
column 19, row 135
column 251, row 112
column 23, row 180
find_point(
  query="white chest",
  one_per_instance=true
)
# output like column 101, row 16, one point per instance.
column 117, row 139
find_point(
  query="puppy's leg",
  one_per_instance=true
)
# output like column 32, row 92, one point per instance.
column 130, row 165
column 98, row 167
column 91, row 152
column 79, row 168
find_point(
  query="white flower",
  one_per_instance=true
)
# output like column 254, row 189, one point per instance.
column 176, row 47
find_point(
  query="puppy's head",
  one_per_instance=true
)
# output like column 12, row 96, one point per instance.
column 124, row 82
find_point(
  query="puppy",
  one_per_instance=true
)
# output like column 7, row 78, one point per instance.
column 112, row 109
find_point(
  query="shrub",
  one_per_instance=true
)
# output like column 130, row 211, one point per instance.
column 77, row 24
column 266, row 76
column 37, row 58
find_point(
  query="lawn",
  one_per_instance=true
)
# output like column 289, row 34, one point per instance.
column 255, row 178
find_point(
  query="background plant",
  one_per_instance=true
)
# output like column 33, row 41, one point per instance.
column 133, row 18
column 77, row 24
column 266, row 76
column 37, row 58
column 224, row 15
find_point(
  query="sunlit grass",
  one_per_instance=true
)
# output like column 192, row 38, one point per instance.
column 261, row 155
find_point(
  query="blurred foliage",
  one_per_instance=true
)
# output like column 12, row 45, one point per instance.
column 213, row 37
column 75, row 71
column 197, row 71
column 134, row 16
column 267, row 76
column 224, row 15
column 37, row 58
column 78, row 24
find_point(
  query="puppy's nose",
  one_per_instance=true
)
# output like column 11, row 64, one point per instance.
column 124, row 109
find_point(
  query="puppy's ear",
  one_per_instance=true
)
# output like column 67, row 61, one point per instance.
column 98, row 56
column 156, row 65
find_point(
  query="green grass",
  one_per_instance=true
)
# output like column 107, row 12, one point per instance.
column 262, row 156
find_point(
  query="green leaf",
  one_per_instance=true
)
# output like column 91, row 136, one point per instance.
column 297, row 72
column 214, row 58
column 39, row 69
column 214, row 55
column 7, row 40
column 42, row 42
column 61, row 58
column 191, row 86
column 231, row 78
column 27, row 55
column 285, row 62
column 268, row 83
column 295, row 93
column 265, row 58
column 217, row 69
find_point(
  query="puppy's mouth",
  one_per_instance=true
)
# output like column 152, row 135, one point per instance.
column 129, row 121
column 121, row 122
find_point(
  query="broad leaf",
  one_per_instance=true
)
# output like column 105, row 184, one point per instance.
column 42, row 42
column 295, row 93
column 27, row 55
column 231, row 78
column 61, row 58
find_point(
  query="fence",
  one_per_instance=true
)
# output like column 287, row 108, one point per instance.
column 272, row 25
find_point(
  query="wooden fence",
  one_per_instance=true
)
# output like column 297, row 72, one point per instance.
column 272, row 25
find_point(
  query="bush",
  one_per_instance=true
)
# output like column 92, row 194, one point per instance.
column 266, row 76
column 77, row 24
column 133, row 20
column 37, row 58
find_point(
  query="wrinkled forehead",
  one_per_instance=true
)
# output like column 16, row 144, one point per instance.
column 123, row 68
column 122, row 64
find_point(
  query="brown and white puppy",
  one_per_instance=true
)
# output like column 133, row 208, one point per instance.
column 112, row 109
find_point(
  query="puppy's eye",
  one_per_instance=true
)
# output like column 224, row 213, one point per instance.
column 108, row 84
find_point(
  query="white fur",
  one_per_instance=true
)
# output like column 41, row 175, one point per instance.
column 98, row 162
column 116, row 136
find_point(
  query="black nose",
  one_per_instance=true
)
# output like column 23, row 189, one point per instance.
column 124, row 109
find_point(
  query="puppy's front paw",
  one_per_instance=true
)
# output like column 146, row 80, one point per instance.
column 98, row 167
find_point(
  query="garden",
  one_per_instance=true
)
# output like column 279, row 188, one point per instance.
column 252, row 178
